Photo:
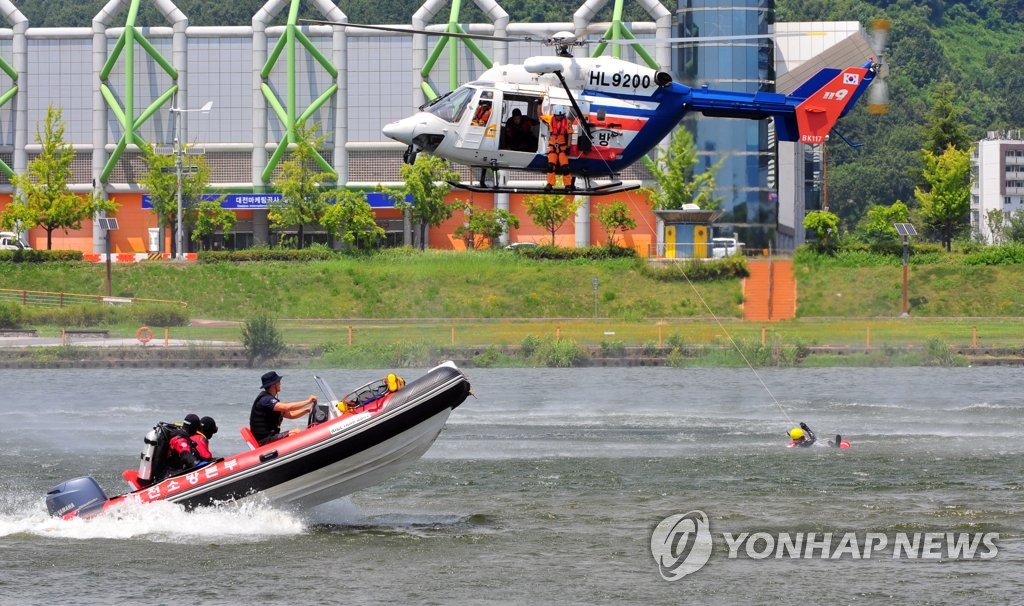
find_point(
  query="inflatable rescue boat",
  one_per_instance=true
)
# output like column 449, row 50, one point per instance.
column 348, row 444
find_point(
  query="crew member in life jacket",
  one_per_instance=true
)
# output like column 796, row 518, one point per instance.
column 201, row 438
column 182, row 452
column 559, row 138
column 268, row 411
column 802, row 436
column 483, row 114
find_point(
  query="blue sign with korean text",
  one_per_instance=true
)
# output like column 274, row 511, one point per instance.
column 263, row 201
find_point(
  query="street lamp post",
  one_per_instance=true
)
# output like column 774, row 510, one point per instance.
column 179, row 151
column 905, row 230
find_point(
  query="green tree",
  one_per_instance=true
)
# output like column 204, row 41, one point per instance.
column 998, row 225
column 877, row 228
column 1014, row 229
column 945, row 204
column 551, row 211
column 262, row 338
column 678, row 184
column 351, row 217
column 303, row 199
column 483, row 227
column 44, row 198
column 825, row 226
column 426, row 182
column 615, row 217
column 946, row 126
column 209, row 218
column 161, row 180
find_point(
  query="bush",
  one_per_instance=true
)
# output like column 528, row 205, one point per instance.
column 529, row 345
column 613, row 349
column 698, row 270
column 262, row 339
column 318, row 253
column 400, row 354
column 1007, row 254
column 158, row 315
column 546, row 251
column 11, row 315
column 39, row 256
column 558, row 353
column 102, row 314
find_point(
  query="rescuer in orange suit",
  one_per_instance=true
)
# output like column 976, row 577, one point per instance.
column 559, row 135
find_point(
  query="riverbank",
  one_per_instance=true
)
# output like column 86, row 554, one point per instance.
column 122, row 353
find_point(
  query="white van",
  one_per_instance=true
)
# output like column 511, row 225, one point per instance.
column 725, row 247
column 11, row 241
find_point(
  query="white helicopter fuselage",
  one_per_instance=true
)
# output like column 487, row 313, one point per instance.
column 628, row 108
column 621, row 111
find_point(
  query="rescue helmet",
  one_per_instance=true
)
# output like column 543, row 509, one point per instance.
column 395, row 382
column 191, row 423
column 209, row 426
column 559, row 110
column 796, row 433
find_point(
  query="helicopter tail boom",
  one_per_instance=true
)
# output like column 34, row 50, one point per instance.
column 807, row 115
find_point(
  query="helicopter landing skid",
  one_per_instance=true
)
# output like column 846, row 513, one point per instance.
column 599, row 190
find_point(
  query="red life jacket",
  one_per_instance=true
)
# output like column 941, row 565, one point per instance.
column 559, row 127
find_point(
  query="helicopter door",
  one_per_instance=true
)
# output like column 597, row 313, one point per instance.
column 520, row 126
column 480, row 131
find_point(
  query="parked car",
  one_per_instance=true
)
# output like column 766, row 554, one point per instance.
column 10, row 241
column 520, row 245
column 725, row 247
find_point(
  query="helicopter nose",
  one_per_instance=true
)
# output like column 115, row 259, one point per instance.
column 400, row 130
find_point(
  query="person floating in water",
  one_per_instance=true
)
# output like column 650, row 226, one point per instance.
column 802, row 436
column 839, row 442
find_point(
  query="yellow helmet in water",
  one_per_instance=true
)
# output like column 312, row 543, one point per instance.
column 796, row 433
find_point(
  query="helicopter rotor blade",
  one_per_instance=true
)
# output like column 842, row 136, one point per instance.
column 880, row 29
column 699, row 40
column 878, row 94
column 409, row 30
column 878, row 97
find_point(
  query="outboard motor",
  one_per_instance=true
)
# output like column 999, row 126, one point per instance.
column 81, row 495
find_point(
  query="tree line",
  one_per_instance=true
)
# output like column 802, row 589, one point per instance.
column 972, row 49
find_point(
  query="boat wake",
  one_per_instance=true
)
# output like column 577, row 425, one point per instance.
column 162, row 522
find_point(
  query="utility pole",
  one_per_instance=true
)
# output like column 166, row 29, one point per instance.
column 179, row 152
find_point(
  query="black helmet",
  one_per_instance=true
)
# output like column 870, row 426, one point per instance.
column 191, row 423
column 209, row 426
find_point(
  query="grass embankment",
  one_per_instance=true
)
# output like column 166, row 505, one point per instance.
column 498, row 298
column 396, row 284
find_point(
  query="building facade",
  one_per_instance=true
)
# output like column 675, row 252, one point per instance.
column 997, row 182
column 742, row 149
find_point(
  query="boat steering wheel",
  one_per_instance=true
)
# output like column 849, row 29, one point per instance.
column 313, row 417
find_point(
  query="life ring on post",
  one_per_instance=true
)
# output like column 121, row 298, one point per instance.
column 144, row 334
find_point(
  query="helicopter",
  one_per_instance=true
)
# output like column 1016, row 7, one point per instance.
column 619, row 110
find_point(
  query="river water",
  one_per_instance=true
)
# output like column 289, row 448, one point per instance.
column 544, row 488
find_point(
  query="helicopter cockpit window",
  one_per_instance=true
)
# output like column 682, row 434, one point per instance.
column 450, row 106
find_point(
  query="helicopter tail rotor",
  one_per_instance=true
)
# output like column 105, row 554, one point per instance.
column 878, row 94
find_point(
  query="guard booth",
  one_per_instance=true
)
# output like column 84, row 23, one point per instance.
column 686, row 232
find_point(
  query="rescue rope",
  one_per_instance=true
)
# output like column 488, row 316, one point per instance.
column 738, row 349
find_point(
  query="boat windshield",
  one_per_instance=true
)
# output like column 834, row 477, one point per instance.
column 451, row 106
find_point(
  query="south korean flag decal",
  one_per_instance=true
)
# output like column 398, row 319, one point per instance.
column 852, row 79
